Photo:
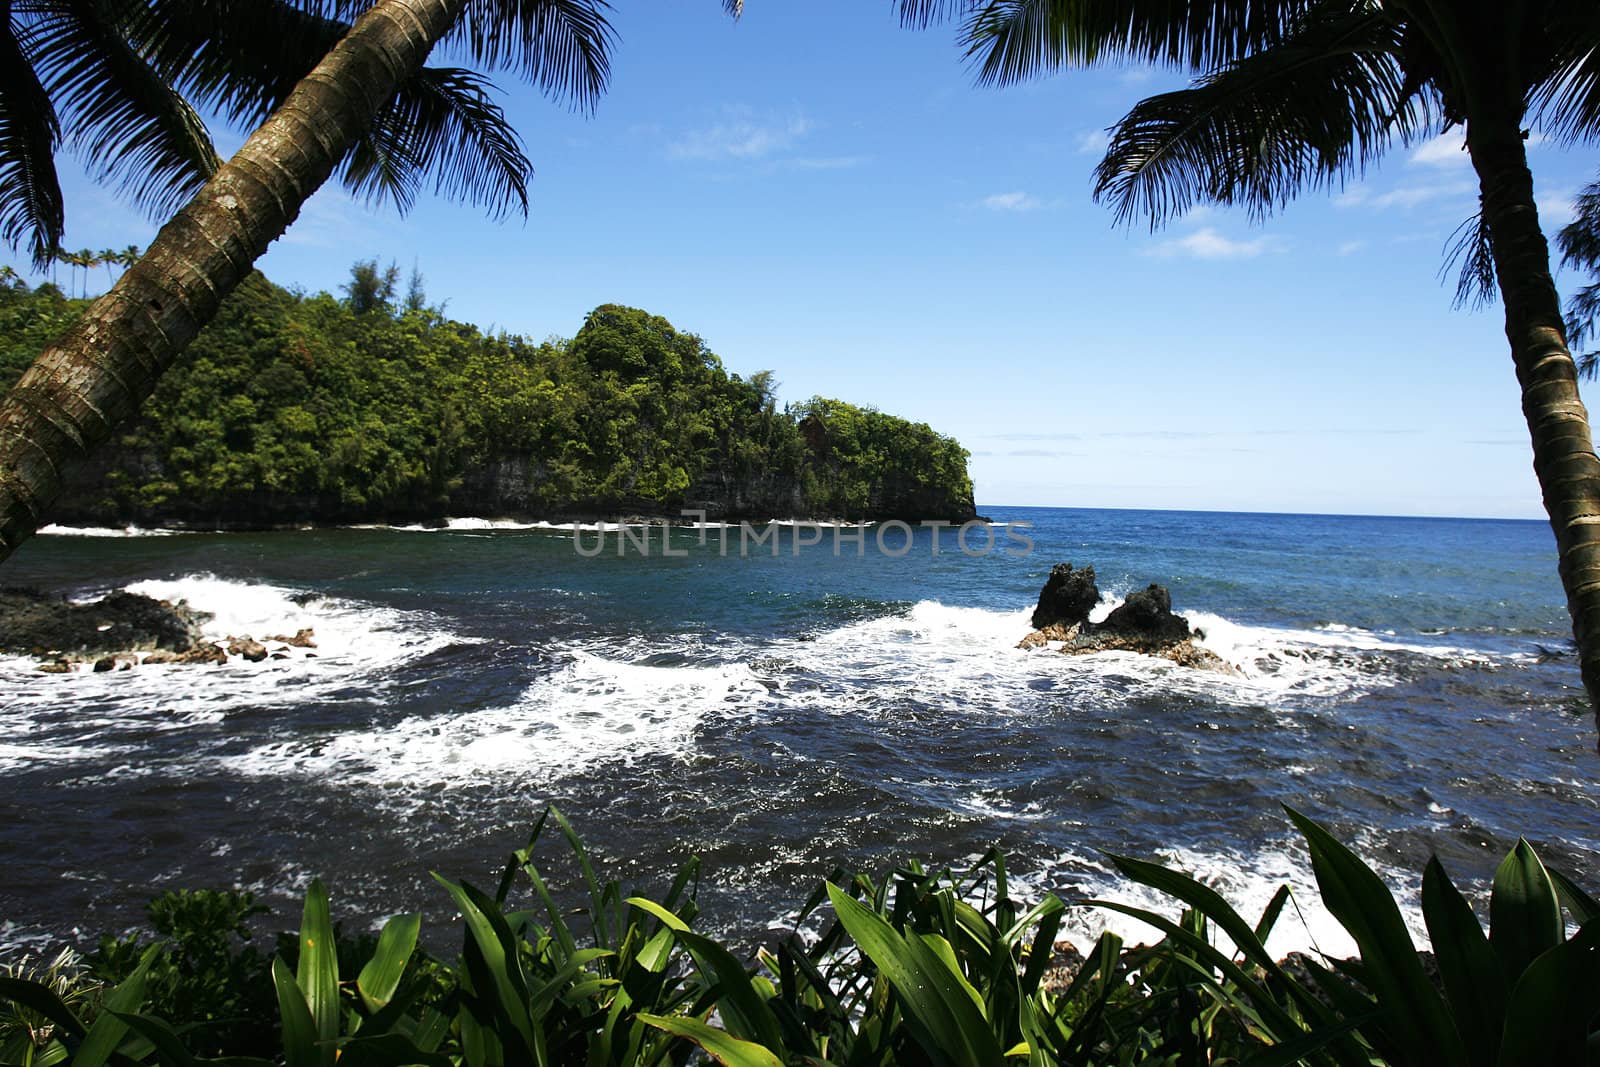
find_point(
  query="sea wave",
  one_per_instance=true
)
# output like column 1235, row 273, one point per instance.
column 965, row 658
column 592, row 711
column 117, row 713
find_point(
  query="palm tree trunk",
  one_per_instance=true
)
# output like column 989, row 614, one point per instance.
column 1563, row 451
column 99, row 372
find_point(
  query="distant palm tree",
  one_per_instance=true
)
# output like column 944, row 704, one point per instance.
column 86, row 260
column 1302, row 94
column 368, row 105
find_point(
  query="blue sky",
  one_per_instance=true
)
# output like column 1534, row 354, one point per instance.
column 818, row 192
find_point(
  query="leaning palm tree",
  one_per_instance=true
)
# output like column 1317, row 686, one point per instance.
column 1295, row 95
column 365, row 105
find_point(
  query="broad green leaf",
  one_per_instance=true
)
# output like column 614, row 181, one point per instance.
column 1524, row 914
column 1042, row 950
column 1269, row 917
column 170, row 1049
column 1281, row 1023
column 299, row 1030
column 381, row 976
column 499, row 954
column 318, row 973
column 720, row 1046
column 38, row 997
column 1551, row 1005
column 1582, row 906
column 599, row 914
column 1202, row 898
column 939, row 1003
column 1415, row 1014
column 744, row 1011
column 106, row 1033
column 1473, row 980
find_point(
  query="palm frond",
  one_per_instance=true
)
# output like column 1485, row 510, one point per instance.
column 1579, row 240
column 31, row 211
column 561, row 46
column 1567, row 102
column 127, row 120
column 1470, row 253
column 1009, row 41
column 442, row 121
column 920, row 14
column 1583, row 311
column 1309, row 112
column 241, row 58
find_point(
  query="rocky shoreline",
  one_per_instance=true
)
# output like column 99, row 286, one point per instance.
column 126, row 630
column 1143, row 623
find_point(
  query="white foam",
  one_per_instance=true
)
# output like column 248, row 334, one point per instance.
column 54, row 530
column 1246, row 881
column 591, row 712
column 471, row 524
column 116, row 711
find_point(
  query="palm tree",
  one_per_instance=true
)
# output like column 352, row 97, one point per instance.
column 367, row 104
column 1301, row 94
column 1579, row 242
column 87, row 260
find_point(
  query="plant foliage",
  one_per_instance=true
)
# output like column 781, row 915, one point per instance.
column 917, row 967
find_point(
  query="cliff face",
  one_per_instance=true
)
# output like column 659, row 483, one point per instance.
column 504, row 487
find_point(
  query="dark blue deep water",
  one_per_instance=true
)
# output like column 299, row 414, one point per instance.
column 1408, row 681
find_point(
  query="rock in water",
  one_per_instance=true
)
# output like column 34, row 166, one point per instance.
column 1147, row 614
column 1067, row 597
column 121, row 622
column 1143, row 623
column 248, row 647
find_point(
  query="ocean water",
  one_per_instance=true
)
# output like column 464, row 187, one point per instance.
column 1407, row 681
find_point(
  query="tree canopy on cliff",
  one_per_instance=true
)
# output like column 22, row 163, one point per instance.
column 296, row 407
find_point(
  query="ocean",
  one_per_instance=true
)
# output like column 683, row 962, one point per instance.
column 1409, row 682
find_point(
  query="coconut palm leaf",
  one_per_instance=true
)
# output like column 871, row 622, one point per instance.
column 560, row 46
column 1567, row 104
column 1012, row 40
column 1471, row 255
column 442, row 121
column 240, row 58
column 31, row 211
column 1308, row 112
column 1579, row 242
column 132, row 127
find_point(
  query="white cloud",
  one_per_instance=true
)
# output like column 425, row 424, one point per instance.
column 742, row 135
column 332, row 218
column 1557, row 207
column 1011, row 202
column 1445, row 150
column 1350, row 248
column 826, row 162
column 1091, row 143
column 1406, row 196
column 1207, row 243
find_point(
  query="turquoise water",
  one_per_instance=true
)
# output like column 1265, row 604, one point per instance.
column 1406, row 680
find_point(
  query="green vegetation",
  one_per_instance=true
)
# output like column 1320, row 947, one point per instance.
column 915, row 968
column 294, row 408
